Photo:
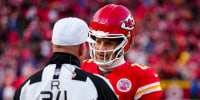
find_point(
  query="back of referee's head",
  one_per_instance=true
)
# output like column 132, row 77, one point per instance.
column 69, row 36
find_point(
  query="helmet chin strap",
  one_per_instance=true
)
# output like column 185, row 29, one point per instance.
column 111, row 66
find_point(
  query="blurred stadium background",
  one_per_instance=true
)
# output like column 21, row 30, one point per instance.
column 167, row 39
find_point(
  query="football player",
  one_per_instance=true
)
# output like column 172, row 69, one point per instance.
column 112, row 30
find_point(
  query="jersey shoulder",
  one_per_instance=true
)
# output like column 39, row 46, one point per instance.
column 148, row 82
column 142, row 71
column 88, row 62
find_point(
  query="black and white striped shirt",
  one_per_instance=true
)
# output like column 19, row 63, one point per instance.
column 62, row 79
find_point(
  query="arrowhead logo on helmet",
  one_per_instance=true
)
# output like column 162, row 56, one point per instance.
column 128, row 23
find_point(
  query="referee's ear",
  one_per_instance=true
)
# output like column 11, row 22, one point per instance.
column 82, row 51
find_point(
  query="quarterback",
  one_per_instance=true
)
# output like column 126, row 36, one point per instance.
column 111, row 34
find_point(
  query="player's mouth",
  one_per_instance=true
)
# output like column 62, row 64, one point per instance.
column 101, row 57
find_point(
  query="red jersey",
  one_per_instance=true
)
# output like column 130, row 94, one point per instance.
column 130, row 81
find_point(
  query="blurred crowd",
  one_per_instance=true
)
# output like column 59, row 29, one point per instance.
column 167, row 36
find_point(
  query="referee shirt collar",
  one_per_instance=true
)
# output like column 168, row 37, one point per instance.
column 64, row 58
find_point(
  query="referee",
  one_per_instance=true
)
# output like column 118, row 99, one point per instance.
column 62, row 79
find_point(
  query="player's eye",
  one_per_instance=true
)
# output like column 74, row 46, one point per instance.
column 98, row 42
column 109, row 43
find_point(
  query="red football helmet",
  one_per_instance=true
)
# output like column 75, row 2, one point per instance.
column 112, row 21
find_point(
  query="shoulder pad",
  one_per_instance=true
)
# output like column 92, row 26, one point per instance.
column 143, row 67
column 88, row 61
column 144, row 71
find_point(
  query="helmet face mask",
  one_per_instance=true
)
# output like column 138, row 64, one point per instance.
column 110, row 55
column 111, row 22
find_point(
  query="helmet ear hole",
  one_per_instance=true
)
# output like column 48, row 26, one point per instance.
column 130, row 40
column 119, row 53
